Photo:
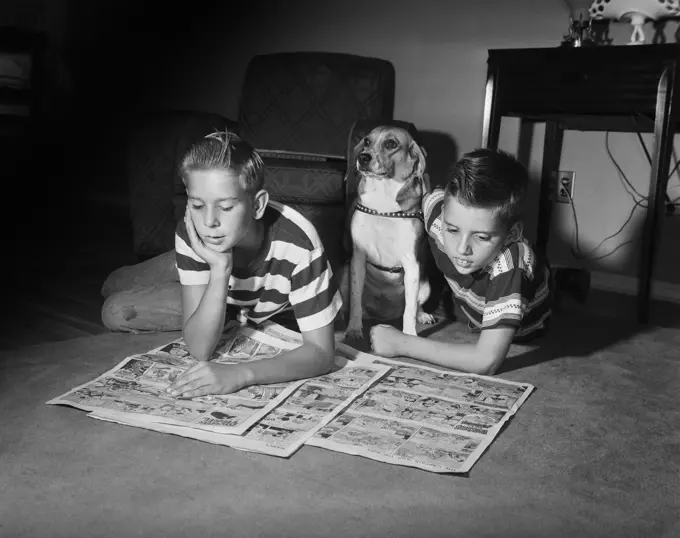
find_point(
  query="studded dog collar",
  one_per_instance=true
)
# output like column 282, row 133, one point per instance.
column 392, row 214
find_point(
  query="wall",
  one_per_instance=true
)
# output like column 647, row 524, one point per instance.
column 439, row 50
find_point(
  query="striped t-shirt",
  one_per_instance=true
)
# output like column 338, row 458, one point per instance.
column 513, row 290
column 292, row 271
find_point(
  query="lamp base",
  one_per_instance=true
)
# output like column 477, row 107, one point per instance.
column 579, row 34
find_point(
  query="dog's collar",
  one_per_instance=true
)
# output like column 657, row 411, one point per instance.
column 397, row 269
column 392, row 214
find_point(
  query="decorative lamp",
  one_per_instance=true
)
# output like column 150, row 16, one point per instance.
column 579, row 23
column 637, row 12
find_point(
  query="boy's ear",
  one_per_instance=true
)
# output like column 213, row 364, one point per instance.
column 515, row 232
column 260, row 201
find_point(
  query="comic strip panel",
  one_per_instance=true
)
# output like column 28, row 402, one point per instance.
column 87, row 397
column 291, row 419
column 162, row 374
column 336, row 425
column 243, row 346
column 222, row 416
column 262, row 393
column 438, row 448
column 182, row 410
column 265, row 351
column 134, row 368
column 177, row 350
column 126, row 406
column 113, row 393
column 317, row 399
column 498, row 394
column 453, row 415
column 479, row 420
column 374, row 434
column 351, row 377
column 272, row 435
column 411, row 383
column 132, row 390
column 384, row 401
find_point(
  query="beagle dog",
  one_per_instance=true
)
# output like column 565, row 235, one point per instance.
column 386, row 277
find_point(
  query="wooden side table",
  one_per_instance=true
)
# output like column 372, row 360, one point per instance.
column 607, row 88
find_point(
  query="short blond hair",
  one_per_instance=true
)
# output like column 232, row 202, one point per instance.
column 224, row 150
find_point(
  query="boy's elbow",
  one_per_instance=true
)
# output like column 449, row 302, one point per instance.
column 327, row 361
column 200, row 353
column 486, row 370
column 487, row 366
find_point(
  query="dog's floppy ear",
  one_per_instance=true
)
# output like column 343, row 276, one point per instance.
column 357, row 148
column 418, row 154
column 425, row 179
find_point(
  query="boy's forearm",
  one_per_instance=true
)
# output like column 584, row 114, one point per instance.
column 203, row 329
column 462, row 357
column 308, row 360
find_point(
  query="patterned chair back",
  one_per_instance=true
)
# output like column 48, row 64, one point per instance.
column 308, row 101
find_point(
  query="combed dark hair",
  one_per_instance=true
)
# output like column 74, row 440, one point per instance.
column 223, row 150
column 490, row 179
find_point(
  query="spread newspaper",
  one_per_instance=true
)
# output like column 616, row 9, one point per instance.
column 382, row 409
column 435, row 420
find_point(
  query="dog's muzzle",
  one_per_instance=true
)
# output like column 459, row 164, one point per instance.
column 362, row 161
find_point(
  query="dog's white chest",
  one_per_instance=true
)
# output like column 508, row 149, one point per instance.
column 387, row 241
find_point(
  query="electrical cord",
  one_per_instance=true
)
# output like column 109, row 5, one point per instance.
column 622, row 175
column 575, row 245
column 640, row 201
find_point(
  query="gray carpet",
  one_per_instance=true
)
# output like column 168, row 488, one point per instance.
column 595, row 451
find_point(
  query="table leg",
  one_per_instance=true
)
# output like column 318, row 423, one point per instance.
column 525, row 142
column 552, row 152
column 491, row 125
column 664, row 129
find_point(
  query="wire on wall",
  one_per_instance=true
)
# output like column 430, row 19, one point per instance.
column 639, row 200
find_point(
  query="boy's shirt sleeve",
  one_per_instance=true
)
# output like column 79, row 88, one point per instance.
column 518, row 288
column 191, row 268
column 432, row 207
column 505, row 303
column 314, row 295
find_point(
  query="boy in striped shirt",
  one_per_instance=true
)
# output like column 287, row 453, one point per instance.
column 499, row 282
column 236, row 247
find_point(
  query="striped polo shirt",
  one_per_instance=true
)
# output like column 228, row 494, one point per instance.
column 292, row 272
column 513, row 290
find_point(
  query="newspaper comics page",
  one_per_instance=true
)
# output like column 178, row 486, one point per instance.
column 307, row 409
column 435, row 420
column 136, row 386
column 275, row 419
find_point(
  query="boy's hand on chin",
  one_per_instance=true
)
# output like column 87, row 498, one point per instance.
column 205, row 378
column 215, row 259
column 386, row 340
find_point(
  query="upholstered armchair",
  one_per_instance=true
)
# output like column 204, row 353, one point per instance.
column 298, row 109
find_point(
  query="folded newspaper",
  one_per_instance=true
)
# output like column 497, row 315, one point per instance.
column 379, row 408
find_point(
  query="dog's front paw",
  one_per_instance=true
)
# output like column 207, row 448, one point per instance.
column 410, row 330
column 354, row 333
column 425, row 318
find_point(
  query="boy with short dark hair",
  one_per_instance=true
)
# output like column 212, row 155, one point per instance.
column 475, row 233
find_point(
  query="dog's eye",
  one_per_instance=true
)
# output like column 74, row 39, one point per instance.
column 367, row 142
column 391, row 144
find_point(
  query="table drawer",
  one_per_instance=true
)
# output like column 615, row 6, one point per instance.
column 556, row 84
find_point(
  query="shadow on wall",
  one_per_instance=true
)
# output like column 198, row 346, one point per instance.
column 442, row 152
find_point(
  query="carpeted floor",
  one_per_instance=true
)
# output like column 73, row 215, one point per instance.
column 594, row 452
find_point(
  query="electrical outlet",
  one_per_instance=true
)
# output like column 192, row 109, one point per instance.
column 563, row 190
